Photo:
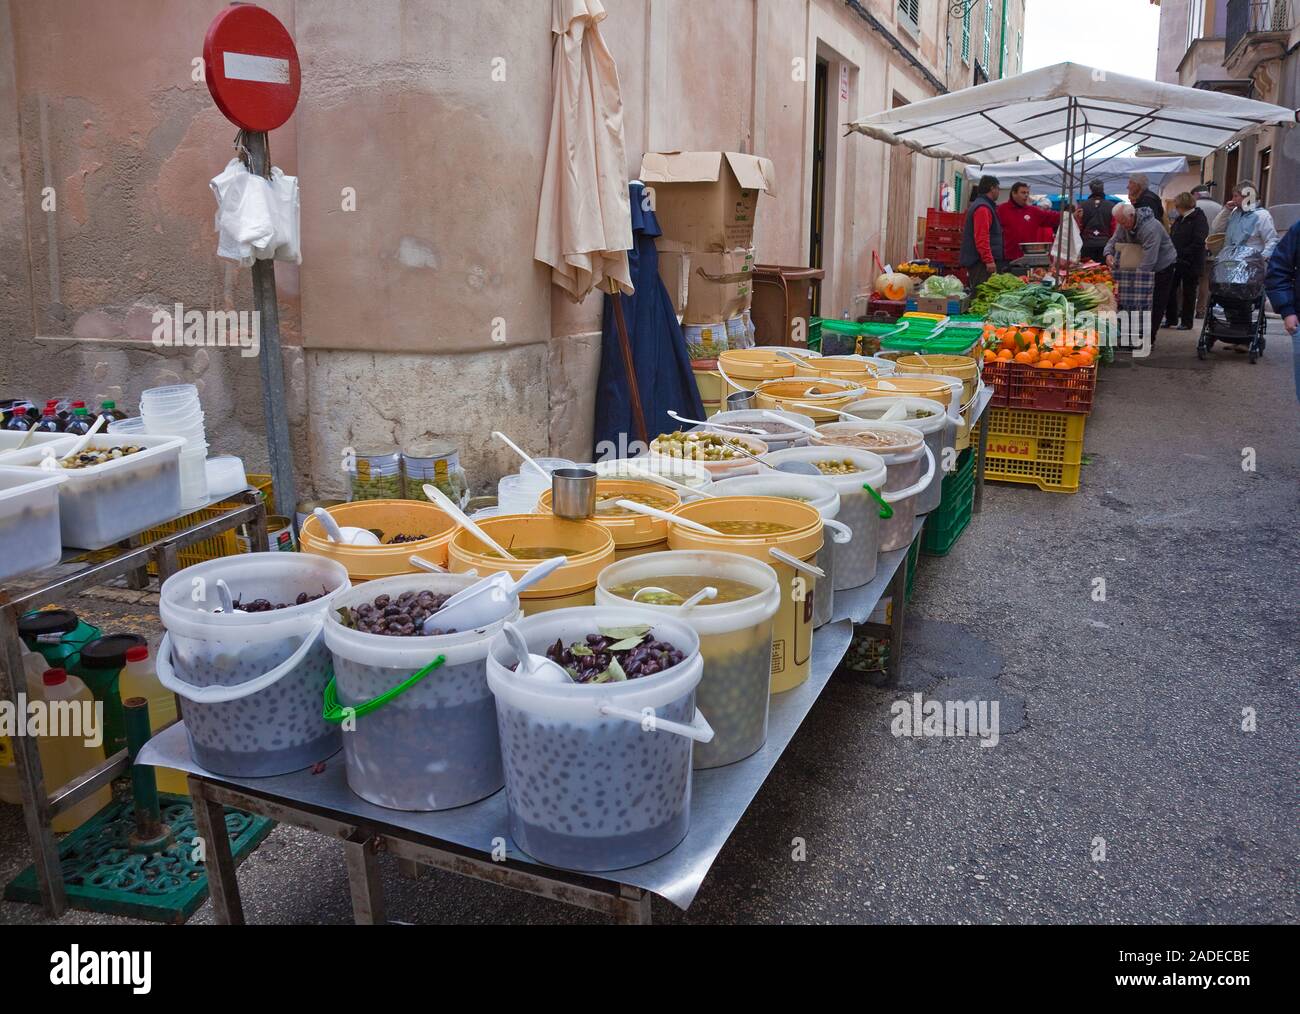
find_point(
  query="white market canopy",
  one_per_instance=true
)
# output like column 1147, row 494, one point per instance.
column 1096, row 114
column 1044, row 177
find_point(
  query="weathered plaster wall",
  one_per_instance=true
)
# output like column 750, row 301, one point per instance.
column 398, row 301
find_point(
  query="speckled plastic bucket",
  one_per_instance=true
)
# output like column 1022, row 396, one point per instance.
column 596, row 776
column 435, row 745
column 251, row 682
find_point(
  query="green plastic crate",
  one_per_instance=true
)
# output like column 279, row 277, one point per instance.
column 946, row 522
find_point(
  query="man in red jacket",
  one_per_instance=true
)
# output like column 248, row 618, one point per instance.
column 1021, row 221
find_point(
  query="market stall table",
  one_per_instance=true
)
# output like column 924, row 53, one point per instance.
column 78, row 572
column 474, row 840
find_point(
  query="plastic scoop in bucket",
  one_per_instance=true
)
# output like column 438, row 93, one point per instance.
column 794, row 467
column 484, row 601
column 655, row 512
column 749, row 431
column 536, row 667
column 685, row 604
column 437, row 496
column 347, row 535
column 523, row 454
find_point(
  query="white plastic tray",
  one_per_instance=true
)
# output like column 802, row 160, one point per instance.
column 106, row 503
column 29, row 521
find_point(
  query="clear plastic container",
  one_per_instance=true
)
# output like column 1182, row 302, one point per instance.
column 252, row 682
column 103, row 504
column 735, row 642
column 816, row 493
column 924, row 414
column 435, row 746
column 29, row 521
column 776, row 438
column 594, row 780
column 912, row 469
column 855, row 562
column 10, row 439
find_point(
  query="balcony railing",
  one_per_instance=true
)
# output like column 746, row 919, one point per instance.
column 1246, row 17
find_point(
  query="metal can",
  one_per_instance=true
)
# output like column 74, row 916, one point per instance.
column 378, row 475
column 306, row 507
column 280, row 536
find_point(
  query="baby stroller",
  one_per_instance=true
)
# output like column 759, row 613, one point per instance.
column 1234, row 313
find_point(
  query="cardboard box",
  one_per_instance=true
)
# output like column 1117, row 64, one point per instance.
column 707, row 200
column 721, row 286
column 938, row 304
column 675, row 273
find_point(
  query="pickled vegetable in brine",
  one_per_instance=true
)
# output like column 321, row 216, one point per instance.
column 750, row 527
column 607, row 504
column 531, row 553
column 678, row 588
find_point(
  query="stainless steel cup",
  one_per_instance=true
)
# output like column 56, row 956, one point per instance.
column 740, row 401
column 573, row 493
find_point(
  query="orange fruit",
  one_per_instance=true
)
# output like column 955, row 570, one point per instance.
column 1023, row 357
column 989, row 356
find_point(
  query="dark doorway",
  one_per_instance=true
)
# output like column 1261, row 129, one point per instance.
column 817, row 231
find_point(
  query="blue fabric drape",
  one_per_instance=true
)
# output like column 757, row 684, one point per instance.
column 663, row 368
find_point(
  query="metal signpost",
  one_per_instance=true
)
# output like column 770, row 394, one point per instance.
column 251, row 67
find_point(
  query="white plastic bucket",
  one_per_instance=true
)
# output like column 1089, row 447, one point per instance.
column 911, row 471
column 735, row 642
column 252, row 682
column 597, row 777
column 818, row 493
column 753, row 417
column 434, row 746
column 855, row 561
column 939, row 428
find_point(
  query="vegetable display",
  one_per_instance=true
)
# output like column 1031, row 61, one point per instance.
column 1037, row 347
column 894, row 285
column 988, row 292
column 942, row 287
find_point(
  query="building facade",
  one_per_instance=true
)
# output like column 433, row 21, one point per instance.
column 1249, row 48
column 419, row 140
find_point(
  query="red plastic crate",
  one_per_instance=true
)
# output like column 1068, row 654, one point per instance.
column 1016, row 385
column 948, row 257
column 944, row 221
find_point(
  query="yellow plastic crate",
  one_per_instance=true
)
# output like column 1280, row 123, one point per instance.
column 225, row 544
column 1043, row 449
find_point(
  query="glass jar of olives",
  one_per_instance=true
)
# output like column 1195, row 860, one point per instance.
column 436, row 462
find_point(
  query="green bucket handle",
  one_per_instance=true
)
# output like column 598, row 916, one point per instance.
column 335, row 712
column 886, row 511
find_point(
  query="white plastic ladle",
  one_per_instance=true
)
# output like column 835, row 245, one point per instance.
column 479, row 604
column 748, row 431
column 423, row 564
column 522, row 453
column 655, row 512
column 537, row 667
column 437, row 496
column 347, row 534
column 708, row 592
column 224, row 596
column 681, row 487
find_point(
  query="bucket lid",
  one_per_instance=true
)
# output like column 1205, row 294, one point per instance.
column 109, row 652
column 43, row 622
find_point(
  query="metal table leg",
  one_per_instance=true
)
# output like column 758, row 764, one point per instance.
column 363, row 879
column 898, row 597
column 979, row 465
column 634, row 906
column 31, row 779
column 223, row 887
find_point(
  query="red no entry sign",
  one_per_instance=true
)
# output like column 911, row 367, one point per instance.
column 251, row 66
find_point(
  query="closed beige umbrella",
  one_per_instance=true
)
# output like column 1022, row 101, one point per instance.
column 584, row 224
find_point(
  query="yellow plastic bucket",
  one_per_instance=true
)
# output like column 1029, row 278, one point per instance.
column 964, row 368
column 813, row 398
column 588, row 546
column 390, row 518
column 916, row 387
column 713, row 389
column 841, row 368
column 747, row 368
column 634, row 534
column 793, row 632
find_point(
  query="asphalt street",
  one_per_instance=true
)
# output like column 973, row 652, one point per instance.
column 1122, row 788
